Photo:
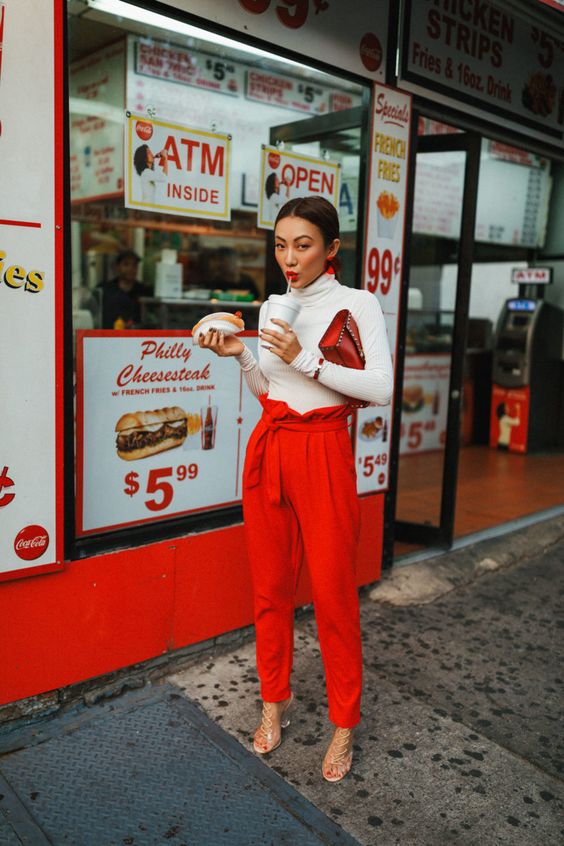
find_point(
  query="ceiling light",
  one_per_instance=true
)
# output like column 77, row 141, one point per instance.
column 144, row 16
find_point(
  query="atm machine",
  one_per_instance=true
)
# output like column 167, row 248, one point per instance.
column 527, row 369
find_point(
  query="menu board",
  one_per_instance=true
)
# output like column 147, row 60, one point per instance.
column 513, row 195
column 173, row 63
column 31, row 258
column 493, row 58
column 291, row 93
column 96, row 104
column 383, row 262
column 162, row 428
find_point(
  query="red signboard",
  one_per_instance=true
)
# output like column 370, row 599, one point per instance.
column 509, row 419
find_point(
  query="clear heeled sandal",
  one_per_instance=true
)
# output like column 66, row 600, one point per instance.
column 266, row 739
column 339, row 755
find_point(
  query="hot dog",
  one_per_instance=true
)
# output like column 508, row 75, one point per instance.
column 145, row 433
column 229, row 324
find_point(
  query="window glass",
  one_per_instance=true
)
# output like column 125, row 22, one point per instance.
column 182, row 149
column 117, row 64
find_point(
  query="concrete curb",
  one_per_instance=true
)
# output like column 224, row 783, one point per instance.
column 423, row 582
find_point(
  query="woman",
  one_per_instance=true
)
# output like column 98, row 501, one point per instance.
column 144, row 163
column 274, row 199
column 299, row 485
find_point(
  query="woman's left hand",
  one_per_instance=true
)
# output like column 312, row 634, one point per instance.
column 283, row 344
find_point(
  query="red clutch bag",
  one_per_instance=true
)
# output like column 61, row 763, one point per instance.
column 341, row 344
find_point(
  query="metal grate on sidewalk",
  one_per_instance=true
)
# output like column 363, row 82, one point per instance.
column 154, row 770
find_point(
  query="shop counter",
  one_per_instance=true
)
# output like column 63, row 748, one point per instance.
column 183, row 313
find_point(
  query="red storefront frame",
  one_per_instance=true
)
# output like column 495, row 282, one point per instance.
column 110, row 611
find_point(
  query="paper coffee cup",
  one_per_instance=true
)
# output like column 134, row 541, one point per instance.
column 281, row 307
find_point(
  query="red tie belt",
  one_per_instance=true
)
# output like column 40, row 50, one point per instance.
column 277, row 415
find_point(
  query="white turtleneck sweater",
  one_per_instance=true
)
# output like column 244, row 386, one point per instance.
column 294, row 383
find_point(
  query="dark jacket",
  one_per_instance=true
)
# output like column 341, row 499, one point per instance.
column 117, row 303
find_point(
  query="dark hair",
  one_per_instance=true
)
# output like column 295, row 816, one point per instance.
column 270, row 185
column 140, row 158
column 226, row 252
column 500, row 410
column 320, row 212
column 125, row 254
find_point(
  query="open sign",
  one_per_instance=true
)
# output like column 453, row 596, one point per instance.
column 285, row 176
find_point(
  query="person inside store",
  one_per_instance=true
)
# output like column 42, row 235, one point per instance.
column 228, row 276
column 121, row 308
column 299, row 482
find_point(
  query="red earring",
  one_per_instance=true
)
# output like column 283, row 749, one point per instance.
column 330, row 269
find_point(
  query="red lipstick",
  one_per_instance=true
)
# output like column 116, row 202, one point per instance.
column 290, row 275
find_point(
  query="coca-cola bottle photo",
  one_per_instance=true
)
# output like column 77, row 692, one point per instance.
column 209, row 425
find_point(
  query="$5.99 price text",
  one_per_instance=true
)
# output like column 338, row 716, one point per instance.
column 159, row 483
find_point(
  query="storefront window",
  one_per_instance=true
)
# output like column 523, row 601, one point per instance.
column 518, row 223
column 182, row 149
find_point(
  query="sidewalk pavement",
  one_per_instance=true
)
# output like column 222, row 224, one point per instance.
column 461, row 741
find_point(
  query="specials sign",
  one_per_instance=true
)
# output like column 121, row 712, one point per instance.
column 491, row 58
column 284, row 176
column 383, row 260
column 176, row 168
column 31, row 254
column 162, row 428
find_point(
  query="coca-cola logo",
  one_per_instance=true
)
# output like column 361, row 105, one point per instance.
column 370, row 52
column 274, row 160
column 397, row 115
column 31, row 542
column 144, row 130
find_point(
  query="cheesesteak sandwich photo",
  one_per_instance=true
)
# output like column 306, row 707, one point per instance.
column 145, row 433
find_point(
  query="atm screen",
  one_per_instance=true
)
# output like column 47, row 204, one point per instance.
column 521, row 305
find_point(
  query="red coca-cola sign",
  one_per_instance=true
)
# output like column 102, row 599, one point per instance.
column 370, row 52
column 31, row 543
column 144, row 130
column 273, row 160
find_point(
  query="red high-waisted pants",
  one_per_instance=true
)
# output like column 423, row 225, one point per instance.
column 299, row 495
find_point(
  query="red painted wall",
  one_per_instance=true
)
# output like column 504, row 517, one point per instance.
column 107, row 612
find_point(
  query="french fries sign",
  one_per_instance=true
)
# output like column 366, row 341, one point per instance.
column 383, row 261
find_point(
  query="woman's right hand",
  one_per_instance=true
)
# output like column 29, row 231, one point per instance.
column 220, row 344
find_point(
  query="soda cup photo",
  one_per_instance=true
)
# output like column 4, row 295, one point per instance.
column 280, row 307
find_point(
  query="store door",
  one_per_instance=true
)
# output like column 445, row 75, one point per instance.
column 429, row 372
column 341, row 137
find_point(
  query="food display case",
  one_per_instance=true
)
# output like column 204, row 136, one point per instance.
column 183, row 313
column 429, row 331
